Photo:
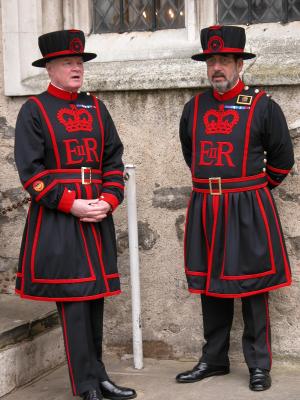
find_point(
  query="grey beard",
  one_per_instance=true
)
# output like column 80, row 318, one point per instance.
column 222, row 87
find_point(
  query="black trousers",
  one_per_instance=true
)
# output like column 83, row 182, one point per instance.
column 217, row 322
column 82, row 324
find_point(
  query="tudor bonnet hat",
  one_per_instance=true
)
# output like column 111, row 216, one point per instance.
column 62, row 43
column 219, row 39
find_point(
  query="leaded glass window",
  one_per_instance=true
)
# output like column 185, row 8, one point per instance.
column 137, row 15
column 257, row 11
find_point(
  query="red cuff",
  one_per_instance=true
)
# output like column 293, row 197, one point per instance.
column 110, row 199
column 66, row 201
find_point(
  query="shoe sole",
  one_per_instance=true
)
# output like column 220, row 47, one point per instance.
column 206, row 376
column 119, row 398
column 261, row 389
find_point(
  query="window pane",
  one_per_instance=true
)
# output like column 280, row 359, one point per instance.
column 137, row 15
column 106, row 16
column 257, row 11
column 170, row 14
column 294, row 10
column 233, row 11
column 267, row 10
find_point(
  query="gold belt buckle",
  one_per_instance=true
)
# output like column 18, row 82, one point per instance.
column 85, row 170
column 215, row 180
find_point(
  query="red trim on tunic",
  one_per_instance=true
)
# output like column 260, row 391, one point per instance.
column 35, row 241
column 83, row 298
column 111, row 276
column 286, row 264
column 62, row 281
column 25, row 249
column 263, row 213
column 78, row 188
column 230, row 94
column 195, row 117
column 61, row 94
column 193, row 273
column 274, row 183
column 117, row 172
column 86, row 250
column 225, row 233
column 101, row 128
column 278, row 170
column 67, row 348
column 185, row 228
column 110, row 199
column 250, row 276
column 89, row 192
column 116, row 184
column 204, row 223
column 66, row 202
column 99, row 251
column 216, row 201
column 238, row 295
column 50, row 129
column 248, row 132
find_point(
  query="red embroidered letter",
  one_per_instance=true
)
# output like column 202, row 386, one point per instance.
column 205, row 151
column 75, row 149
column 222, row 151
column 91, row 147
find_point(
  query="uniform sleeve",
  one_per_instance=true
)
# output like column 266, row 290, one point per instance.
column 277, row 144
column 30, row 156
column 185, row 134
column 112, row 165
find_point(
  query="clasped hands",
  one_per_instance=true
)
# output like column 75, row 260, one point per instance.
column 94, row 210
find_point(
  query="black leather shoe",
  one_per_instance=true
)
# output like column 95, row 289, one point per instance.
column 259, row 379
column 114, row 392
column 92, row 395
column 201, row 371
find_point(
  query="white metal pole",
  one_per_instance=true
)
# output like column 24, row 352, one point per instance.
column 134, row 267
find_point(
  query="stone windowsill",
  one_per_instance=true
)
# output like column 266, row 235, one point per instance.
column 266, row 70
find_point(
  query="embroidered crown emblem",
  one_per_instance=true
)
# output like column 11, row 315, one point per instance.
column 75, row 119
column 220, row 121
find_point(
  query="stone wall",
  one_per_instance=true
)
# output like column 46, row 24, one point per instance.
column 147, row 121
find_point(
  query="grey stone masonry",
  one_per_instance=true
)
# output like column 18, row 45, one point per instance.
column 30, row 341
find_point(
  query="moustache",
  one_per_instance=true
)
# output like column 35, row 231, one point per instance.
column 218, row 75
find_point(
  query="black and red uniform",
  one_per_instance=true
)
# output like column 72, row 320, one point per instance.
column 67, row 148
column 238, row 147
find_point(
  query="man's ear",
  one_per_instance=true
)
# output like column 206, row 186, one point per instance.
column 240, row 63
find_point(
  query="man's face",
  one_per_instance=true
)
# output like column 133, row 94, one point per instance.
column 223, row 71
column 66, row 72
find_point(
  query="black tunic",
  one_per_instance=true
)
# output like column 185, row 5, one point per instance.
column 61, row 258
column 238, row 148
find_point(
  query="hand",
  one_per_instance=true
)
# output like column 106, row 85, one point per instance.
column 90, row 210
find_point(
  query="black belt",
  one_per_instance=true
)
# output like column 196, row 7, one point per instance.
column 216, row 186
column 83, row 175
